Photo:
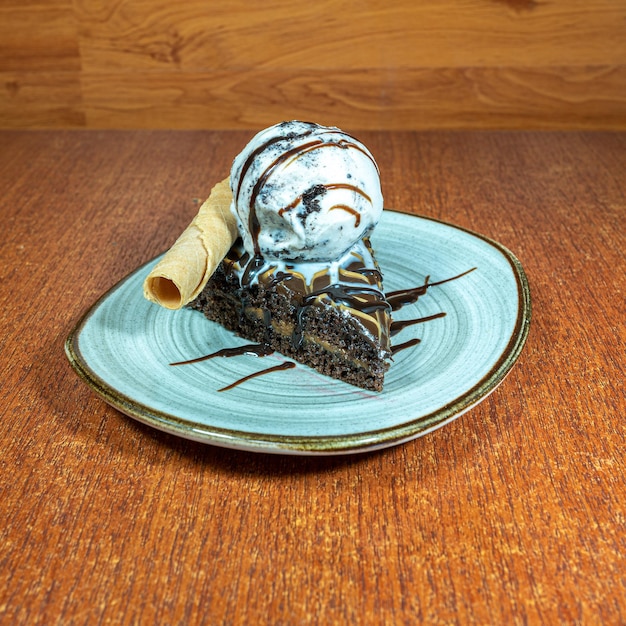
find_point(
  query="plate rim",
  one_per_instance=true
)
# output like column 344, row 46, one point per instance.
column 365, row 441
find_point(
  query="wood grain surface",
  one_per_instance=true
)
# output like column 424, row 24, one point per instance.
column 376, row 65
column 512, row 514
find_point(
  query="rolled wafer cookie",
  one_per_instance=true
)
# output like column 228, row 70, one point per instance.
column 186, row 267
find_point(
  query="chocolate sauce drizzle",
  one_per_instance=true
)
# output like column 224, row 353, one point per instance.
column 398, row 299
column 285, row 365
column 398, row 325
column 340, row 294
column 403, row 346
column 253, row 349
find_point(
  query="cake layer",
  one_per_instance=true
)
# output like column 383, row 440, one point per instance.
column 334, row 319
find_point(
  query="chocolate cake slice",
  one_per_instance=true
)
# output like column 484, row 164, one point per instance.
column 338, row 325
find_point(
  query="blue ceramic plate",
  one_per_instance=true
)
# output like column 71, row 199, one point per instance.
column 123, row 345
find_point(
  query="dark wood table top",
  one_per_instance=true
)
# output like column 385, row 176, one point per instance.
column 514, row 513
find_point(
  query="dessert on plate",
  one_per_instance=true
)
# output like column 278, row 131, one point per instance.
column 280, row 253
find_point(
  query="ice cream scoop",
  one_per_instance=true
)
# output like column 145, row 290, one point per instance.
column 304, row 192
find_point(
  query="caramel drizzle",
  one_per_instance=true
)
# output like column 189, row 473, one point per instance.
column 348, row 209
column 330, row 187
column 342, row 295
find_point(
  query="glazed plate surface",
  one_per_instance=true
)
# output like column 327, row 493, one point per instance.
column 123, row 346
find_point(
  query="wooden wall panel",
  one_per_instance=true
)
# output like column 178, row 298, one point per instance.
column 332, row 34
column 38, row 38
column 40, row 65
column 362, row 99
column 375, row 64
column 41, row 100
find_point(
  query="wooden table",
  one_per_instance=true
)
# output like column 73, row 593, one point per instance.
column 514, row 513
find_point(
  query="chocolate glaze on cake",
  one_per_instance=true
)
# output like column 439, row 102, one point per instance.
column 332, row 318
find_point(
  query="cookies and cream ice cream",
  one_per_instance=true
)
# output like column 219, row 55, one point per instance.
column 304, row 193
column 299, row 195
